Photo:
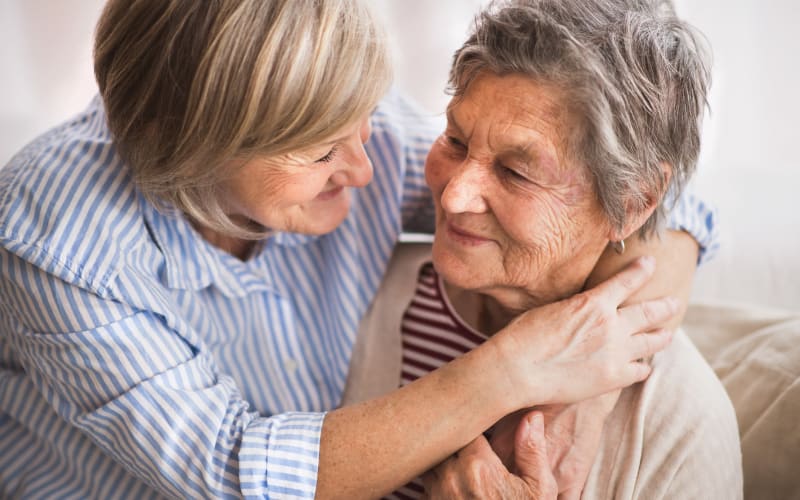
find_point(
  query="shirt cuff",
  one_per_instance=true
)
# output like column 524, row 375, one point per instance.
column 280, row 456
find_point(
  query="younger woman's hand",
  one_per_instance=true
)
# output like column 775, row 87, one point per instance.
column 586, row 345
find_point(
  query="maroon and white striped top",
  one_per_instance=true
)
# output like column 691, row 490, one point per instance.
column 433, row 335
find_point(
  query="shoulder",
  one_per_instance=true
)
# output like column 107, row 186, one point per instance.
column 691, row 426
column 683, row 380
column 68, row 205
column 399, row 115
column 401, row 129
column 675, row 435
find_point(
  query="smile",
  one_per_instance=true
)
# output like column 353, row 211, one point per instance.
column 465, row 237
column 330, row 194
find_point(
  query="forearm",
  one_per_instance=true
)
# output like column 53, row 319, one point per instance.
column 372, row 448
column 559, row 353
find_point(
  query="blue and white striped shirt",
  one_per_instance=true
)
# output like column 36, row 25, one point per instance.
column 137, row 360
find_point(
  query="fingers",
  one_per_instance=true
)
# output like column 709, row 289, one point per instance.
column 479, row 448
column 638, row 371
column 646, row 315
column 623, row 284
column 571, row 494
column 644, row 345
column 531, row 456
column 530, row 450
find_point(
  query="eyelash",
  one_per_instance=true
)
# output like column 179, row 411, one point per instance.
column 328, row 157
column 455, row 142
column 509, row 173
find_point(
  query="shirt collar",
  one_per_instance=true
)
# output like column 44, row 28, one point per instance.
column 192, row 263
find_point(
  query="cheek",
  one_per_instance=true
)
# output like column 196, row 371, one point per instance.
column 535, row 218
column 437, row 169
column 281, row 191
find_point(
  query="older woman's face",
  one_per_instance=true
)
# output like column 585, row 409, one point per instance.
column 515, row 217
column 306, row 192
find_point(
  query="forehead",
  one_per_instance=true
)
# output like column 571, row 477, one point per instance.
column 513, row 112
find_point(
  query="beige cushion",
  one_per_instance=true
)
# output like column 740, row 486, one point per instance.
column 756, row 354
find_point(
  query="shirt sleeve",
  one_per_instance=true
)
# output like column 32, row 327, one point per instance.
column 698, row 218
column 152, row 400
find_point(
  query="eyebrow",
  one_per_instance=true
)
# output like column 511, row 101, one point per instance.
column 530, row 153
column 451, row 120
column 336, row 139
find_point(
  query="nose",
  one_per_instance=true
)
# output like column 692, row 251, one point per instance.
column 357, row 168
column 463, row 192
column 365, row 130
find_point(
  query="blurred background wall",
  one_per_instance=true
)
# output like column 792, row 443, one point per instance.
column 749, row 165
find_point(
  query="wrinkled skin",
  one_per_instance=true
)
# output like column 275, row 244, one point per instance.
column 518, row 225
column 517, row 220
column 573, row 435
column 476, row 472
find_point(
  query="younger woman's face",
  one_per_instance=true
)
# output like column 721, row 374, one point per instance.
column 306, row 192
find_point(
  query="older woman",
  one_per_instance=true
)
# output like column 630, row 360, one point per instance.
column 570, row 121
column 184, row 265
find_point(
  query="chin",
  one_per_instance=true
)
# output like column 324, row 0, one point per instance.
column 458, row 270
column 325, row 220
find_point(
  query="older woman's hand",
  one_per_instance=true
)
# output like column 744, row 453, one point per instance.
column 477, row 472
column 573, row 434
column 586, row 345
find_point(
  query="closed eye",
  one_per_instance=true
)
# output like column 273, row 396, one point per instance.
column 511, row 174
column 452, row 141
column 328, row 157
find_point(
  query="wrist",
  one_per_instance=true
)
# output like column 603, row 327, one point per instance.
column 486, row 374
column 521, row 382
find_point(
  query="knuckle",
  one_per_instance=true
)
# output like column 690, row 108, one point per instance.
column 610, row 373
column 584, row 301
column 628, row 281
column 602, row 320
column 448, row 485
column 650, row 312
column 654, row 342
column 569, row 471
column 544, row 490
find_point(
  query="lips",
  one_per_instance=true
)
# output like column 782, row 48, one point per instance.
column 465, row 236
column 330, row 194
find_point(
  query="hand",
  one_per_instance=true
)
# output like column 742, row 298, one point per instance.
column 586, row 345
column 477, row 472
column 676, row 254
column 573, row 434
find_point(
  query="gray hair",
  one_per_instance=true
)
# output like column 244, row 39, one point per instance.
column 192, row 89
column 634, row 74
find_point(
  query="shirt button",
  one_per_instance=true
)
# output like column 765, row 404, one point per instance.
column 290, row 365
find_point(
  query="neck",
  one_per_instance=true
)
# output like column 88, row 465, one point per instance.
column 491, row 311
column 239, row 248
column 482, row 312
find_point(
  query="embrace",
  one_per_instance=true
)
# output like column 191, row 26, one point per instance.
column 203, row 295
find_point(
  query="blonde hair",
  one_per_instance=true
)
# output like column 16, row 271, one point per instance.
column 188, row 86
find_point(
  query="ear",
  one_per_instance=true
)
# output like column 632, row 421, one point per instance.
column 636, row 213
